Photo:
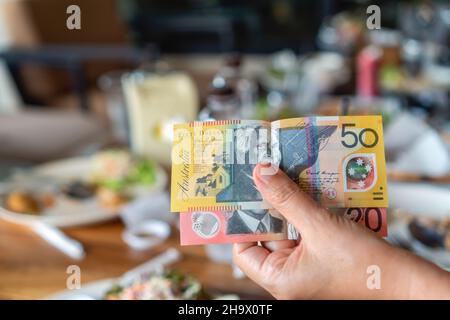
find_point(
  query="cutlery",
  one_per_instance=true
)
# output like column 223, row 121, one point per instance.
column 59, row 240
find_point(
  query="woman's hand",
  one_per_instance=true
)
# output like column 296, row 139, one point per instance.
column 335, row 256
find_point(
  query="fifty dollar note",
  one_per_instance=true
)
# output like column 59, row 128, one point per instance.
column 339, row 161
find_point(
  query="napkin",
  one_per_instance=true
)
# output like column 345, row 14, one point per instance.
column 414, row 147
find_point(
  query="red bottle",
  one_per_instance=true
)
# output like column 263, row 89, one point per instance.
column 368, row 66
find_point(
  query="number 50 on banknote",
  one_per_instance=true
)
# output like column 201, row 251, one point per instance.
column 339, row 161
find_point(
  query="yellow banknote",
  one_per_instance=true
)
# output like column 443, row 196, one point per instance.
column 339, row 161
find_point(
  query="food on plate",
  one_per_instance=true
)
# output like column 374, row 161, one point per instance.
column 23, row 202
column 29, row 203
column 113, row 178
column 110, row 199
column 111, row 165
column 79, row 190
column 48, row 200
column 167, row 285
column 117, row 173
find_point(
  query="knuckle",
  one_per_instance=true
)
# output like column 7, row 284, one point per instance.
column 283, row 194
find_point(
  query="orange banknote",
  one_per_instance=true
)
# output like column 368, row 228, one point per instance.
column 209, row 227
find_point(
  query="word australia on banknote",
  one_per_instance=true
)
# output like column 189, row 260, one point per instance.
column 339, row 161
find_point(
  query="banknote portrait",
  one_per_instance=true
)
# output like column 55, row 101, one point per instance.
column 253, row 221
column 250, row 145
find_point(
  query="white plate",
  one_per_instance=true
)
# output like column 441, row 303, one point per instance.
column 67, row 212
column 420, row 199
column 398, row 230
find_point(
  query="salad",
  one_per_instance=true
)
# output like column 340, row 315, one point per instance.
column 166, row 285
column 118, row 175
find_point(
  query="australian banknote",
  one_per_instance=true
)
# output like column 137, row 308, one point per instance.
column 206, row 227
column 339, row 161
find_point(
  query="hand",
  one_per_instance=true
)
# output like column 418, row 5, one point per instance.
column 333, row 256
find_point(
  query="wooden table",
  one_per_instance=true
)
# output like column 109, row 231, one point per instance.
column 31, row 269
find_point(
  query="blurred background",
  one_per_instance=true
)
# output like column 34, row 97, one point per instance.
column 96, row 105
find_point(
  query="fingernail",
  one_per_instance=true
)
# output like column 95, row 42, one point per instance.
column 265, row 164
column 265, row 172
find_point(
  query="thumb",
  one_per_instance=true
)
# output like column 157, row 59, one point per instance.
column 286, row 197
